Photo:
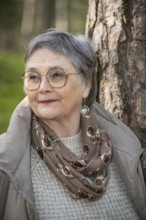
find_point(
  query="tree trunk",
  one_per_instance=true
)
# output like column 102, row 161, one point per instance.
column 44, row 15
column 118, row 30
column 10, row 21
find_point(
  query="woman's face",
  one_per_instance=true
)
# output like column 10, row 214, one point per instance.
column 55, row 103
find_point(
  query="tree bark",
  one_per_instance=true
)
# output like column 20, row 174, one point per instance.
column 118, row 30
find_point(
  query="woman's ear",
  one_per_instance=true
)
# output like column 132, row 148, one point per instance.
column 87, row 89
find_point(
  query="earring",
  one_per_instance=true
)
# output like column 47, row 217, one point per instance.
column 85, row 110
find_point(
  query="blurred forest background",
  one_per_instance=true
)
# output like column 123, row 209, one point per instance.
column 20, row 20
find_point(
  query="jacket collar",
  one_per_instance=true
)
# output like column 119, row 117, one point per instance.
column 15, row 151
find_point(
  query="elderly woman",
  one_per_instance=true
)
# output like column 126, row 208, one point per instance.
column 64, row 156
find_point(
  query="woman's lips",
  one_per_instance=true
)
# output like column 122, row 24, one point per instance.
column 48, row 101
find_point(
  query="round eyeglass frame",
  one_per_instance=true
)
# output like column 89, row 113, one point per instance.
column 55, row 87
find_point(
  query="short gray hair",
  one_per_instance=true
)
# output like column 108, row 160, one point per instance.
column 77, row 48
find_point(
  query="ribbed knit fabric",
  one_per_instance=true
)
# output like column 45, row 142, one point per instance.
column 53, row 201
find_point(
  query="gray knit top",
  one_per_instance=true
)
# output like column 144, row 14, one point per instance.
column 53, row 200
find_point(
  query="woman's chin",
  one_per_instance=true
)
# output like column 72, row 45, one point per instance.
column 48, row 114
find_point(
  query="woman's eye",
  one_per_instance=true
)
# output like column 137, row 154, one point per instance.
column 33, row 77
column 57, row 75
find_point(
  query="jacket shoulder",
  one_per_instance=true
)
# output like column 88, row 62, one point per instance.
column 111, row 122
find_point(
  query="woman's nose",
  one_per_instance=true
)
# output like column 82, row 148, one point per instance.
column 45, row 85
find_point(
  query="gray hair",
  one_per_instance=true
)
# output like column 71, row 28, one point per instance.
column 77, row 48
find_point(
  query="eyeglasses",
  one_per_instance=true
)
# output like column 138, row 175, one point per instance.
column 57, row 78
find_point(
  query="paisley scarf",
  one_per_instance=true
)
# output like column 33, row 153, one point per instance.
column 85, row 177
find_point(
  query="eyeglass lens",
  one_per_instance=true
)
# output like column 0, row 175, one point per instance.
column 56, row 78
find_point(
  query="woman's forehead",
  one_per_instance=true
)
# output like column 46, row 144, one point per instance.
column 45, row 57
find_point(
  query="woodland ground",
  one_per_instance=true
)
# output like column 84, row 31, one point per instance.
column 11, row 86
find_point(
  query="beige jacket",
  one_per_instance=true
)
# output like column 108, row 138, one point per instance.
column 16, row 194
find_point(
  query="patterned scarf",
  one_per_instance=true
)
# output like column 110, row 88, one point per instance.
column 85, row 177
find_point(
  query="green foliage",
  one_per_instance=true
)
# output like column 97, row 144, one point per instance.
column 11, row 87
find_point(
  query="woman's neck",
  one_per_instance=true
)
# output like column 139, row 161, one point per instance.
column 65, row 128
